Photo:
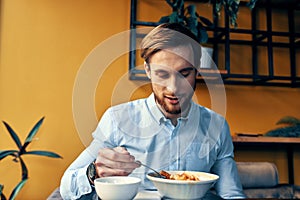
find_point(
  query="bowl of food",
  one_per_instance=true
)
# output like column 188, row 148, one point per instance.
column 183, row 184
column 117, row 187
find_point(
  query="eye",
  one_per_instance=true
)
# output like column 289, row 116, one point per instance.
column 162, row 74
column 186, row 72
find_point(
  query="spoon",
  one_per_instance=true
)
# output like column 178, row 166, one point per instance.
column 156, row 172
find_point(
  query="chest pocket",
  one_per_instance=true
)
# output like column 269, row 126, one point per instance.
column 200, row 156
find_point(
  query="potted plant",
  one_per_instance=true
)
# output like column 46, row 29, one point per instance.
column 290, row 127
column 17, row 156
column 189, row 16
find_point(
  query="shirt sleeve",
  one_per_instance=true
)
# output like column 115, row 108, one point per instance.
column 74, row 183
column 228, row 186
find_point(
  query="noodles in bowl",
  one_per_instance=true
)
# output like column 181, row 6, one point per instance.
column 194, row 185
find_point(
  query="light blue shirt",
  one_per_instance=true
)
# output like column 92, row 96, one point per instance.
column 201, row 141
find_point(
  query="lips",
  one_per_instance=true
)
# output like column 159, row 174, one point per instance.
column 172, row 99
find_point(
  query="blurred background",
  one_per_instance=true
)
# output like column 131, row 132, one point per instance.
column 43, row 43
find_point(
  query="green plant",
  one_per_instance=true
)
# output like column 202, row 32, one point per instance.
column 189, row 17
column 291, row 128
column 17, row 156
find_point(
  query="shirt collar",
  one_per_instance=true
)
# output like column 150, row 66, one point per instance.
column 158, row 115
column 154, row 110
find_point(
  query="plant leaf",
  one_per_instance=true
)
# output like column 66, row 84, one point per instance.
column 17, row 189
column 43, row 153
column 202, row 34
column 218, row 8
column 251, row 4
column 5, row 153
column 31, row 134
column 289, row 120
column 191, row 19
column 34, row 130
column 206, row 21
column 164, row 19
column 24, row 169
column 13, row 135
column 175, row 18
column 289, row 131
column 1, row 194
column 191, row 10
column 191, row 24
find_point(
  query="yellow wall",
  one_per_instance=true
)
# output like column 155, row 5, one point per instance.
column 44, row 43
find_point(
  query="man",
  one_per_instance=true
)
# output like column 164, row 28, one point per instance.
column 166, row 131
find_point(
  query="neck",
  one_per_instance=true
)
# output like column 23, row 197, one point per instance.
column 174, row 117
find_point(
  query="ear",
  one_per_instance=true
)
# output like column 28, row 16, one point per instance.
column 147, row 69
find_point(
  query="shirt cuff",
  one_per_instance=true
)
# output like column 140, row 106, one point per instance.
column 83, row 183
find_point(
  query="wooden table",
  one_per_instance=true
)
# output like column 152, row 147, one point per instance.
column 287, row 143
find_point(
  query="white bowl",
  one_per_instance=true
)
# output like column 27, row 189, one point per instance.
column 183, row 189
column 117, row 187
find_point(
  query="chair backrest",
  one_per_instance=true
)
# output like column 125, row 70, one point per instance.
column 258, row 174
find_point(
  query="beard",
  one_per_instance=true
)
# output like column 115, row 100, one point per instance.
column 174, row 109
column 165, row 107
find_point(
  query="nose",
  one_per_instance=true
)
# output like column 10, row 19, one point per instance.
column 173, row 84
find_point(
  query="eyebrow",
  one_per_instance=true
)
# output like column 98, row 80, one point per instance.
column 187, row 69
column 182, row 70
column 190, row 68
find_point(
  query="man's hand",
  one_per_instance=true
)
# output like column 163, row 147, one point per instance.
column 115, row 162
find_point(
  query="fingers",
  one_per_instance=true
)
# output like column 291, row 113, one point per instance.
column 122, row 150
column 118, row 154
column 115, row 162
column 104, row 171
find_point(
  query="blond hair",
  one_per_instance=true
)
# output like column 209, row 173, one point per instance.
column 170, row 35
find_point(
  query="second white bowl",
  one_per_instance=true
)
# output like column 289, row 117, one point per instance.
column 117, row 187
